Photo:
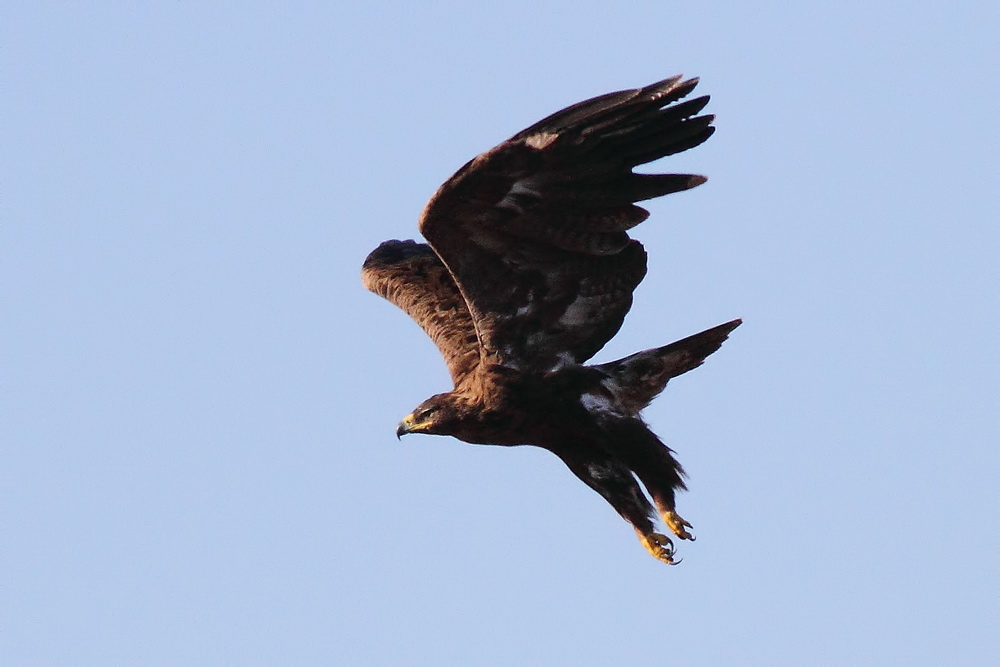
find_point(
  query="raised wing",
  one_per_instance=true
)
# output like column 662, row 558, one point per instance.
column 410, row 275
column 534, row 230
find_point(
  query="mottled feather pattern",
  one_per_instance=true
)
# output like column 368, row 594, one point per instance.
column 410, row 275
column 555, row 300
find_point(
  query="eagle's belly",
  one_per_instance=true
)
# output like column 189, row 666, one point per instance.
column 517, row 423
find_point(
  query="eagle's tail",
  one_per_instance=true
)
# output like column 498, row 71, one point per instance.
column 638, row 378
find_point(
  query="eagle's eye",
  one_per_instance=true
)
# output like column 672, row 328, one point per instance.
column 426, row 414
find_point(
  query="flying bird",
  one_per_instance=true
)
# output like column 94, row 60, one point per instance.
column 529, row 271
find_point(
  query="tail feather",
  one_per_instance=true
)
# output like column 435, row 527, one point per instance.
column 639, row 378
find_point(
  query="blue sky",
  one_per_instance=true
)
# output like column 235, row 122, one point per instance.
column 198, row 398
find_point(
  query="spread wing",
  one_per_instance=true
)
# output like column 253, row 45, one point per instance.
column 410, row 275
column 534, row 230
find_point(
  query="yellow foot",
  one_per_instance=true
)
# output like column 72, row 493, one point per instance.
column 659, row 546
column 677, row 525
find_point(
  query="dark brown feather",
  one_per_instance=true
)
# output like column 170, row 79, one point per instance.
column 639, row 378
column 533, row 231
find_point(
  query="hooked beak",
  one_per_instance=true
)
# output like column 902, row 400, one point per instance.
column 411, row 425
column 405, row 426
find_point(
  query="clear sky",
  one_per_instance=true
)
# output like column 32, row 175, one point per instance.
column 198, row 399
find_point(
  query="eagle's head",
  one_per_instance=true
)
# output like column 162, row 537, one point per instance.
column 438, row 415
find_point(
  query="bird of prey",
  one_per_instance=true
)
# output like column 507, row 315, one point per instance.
column 529, row 271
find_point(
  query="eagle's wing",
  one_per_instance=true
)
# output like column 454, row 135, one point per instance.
column 410, row 275
column 534, row 230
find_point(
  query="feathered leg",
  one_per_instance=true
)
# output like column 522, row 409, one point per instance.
column 653, row 463
column 614, row 481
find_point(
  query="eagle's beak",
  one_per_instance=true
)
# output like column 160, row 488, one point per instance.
column 405, row 426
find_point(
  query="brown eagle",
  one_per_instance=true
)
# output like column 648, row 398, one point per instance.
column 529, row 271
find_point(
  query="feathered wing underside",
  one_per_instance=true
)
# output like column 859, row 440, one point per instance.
column 410, row 275
column 534, row 230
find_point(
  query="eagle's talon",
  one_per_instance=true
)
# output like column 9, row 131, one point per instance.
column 660, row 547
column 677, row 525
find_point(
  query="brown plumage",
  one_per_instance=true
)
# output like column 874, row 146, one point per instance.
column 530, row 271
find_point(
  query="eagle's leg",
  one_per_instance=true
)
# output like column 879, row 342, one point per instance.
column 653, row 463
column 659, row 545
column 615, row 482
column 676, row 523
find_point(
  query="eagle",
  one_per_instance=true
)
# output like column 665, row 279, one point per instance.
column 529, row 270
